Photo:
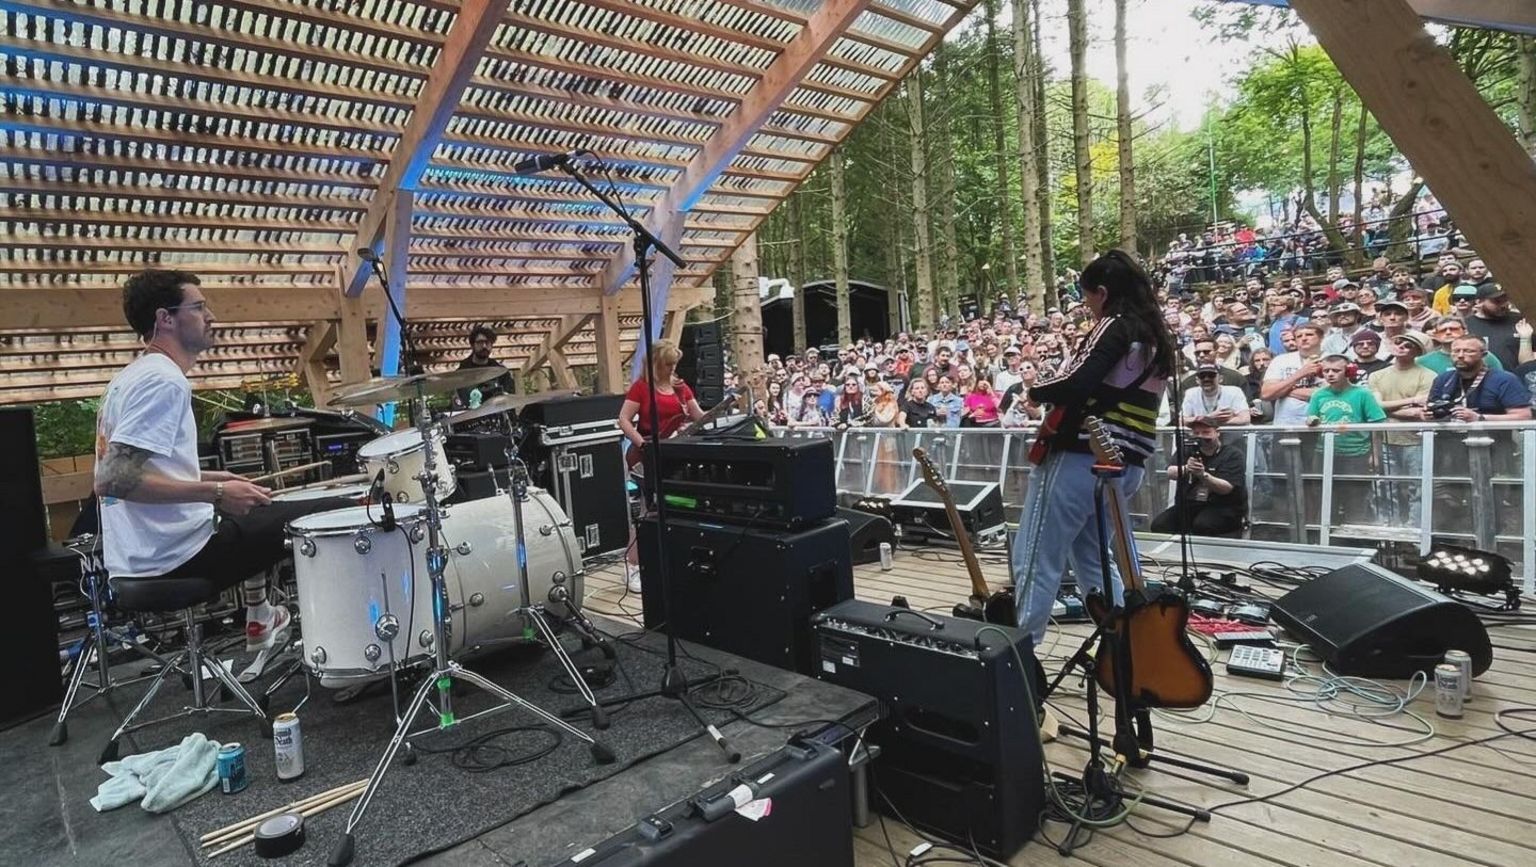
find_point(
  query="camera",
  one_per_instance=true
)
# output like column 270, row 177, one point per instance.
column 1440, row 409
column 1189, row 444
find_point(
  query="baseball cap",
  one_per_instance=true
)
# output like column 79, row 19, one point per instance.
column 1365, row 335
column 1417, row 338
column 1207, row 368
column 1338, row 285
column 1326, row 293
column 1199, row 421
column 1466, row 290
column 1345, row 307
column 1012, row 350
column 1391, row 302
column 1490, row 290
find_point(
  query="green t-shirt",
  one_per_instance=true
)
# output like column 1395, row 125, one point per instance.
column 1440, row 361
column 1353, row 405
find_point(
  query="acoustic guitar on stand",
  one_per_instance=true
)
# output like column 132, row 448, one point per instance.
column 679, row 427
column 984, row 604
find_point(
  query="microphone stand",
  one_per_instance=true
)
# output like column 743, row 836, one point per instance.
column 674, row 684
column 409, row 361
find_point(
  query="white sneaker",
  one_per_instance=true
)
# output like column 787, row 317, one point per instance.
column 260, row 634
column 633, row 582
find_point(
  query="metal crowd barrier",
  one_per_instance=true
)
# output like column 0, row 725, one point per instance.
column 1469, row 484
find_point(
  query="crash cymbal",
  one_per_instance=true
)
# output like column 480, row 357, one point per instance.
column 507, row 403
column 392, row 388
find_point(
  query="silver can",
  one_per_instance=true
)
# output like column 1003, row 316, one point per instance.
column 1462, row 659
column 885, row 556
column 288, row 745
column 1448, row 694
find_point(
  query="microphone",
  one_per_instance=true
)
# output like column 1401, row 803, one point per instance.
column 376, row 492
column 545, row 162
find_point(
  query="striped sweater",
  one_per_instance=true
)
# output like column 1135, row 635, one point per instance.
column 1101, row 380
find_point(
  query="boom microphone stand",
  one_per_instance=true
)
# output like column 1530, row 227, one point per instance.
column 674, row 684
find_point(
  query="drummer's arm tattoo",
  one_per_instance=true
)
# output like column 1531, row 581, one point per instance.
column 121, row 470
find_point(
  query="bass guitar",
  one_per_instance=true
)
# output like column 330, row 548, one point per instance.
column 985, row 605
column 1164, row 668
column 678, row 427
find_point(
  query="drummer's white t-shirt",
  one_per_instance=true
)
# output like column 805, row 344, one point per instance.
column 149, row 405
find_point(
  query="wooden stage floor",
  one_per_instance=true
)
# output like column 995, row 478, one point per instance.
column 1473, row 805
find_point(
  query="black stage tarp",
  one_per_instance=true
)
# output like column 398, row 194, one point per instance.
column 45, row 817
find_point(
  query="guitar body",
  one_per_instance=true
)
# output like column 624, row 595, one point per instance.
column 1160, row 676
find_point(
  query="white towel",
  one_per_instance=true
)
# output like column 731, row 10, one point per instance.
column 163, row 780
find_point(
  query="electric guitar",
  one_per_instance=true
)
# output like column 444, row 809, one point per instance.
column 985, row 605
column 679, row 427
column 1165, row 669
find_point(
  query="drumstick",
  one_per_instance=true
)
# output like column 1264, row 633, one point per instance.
column 213, row 837
column 288, row 472
column 308, row 812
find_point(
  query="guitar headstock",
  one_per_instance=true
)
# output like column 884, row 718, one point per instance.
column 1105, row 449
column 931, row 473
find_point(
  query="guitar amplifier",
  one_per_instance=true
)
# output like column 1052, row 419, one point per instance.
column 804, row 819
column 577, row 412
column 773, row 482
column 960, row 747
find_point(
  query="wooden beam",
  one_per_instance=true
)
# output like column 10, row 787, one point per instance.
column 559, row 336
column 311, row 361
column 1515, row 16
column 800, row 55
column 561, row 368
column 609, row 373
column 675, row 322
column 352, row 334
column 472, row 29
column 64, row 307
column 1440, row 122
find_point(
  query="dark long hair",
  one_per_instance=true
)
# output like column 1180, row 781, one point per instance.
column 1131, row 298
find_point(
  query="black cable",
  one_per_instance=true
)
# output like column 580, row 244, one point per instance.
column 481, row 755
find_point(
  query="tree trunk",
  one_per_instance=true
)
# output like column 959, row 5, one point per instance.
column 1000, row 149
column 1043, row 162
column 1357, row 235
column 747, row 319
column 1525, row 95
column 802, row 270
column 922, row 251
column 840, row 248
column 1029, row 155
column 1335, row 129
column 1400, row 229
column 949, row 261
column 1077, row 29
column 1309, row 186
column 1124, row 135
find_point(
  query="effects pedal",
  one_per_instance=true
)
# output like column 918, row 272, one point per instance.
column 1267, row 663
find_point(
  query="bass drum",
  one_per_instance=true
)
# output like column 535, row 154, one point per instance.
column 481, row 538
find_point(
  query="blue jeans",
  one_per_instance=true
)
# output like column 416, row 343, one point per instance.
column 1057, row 527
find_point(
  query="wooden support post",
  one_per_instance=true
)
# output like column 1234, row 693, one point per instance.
column 569, row 327
column 747, row 320
column 674, row 328
column 396, row 257
column 311, row 361
column 561, row 369
column 352, row 338
column 609, row 373
column 1445, row 128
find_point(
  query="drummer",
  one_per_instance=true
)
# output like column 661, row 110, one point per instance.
column 481, row 339
column 675, row 405
column 161, row 514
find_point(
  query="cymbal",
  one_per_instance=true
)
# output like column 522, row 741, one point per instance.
column 507, row 403
column 261, row 424
column 392, row 388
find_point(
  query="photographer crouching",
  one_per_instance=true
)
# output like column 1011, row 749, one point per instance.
column 1211, row 500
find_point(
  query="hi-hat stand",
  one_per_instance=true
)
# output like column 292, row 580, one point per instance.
column 674, row 683
column 1132, row 743
column 445, row 670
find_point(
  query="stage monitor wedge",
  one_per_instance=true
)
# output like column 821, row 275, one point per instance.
column 1366, row 621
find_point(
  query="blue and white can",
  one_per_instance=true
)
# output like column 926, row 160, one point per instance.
column 231, row 767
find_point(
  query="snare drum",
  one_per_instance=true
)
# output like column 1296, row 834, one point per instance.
column 356, row 491
column 402, row 458
column 364, row 592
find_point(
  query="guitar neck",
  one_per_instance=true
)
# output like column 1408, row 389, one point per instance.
column 967, row 553
column 1125, row 558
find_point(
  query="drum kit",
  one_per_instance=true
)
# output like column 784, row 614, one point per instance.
column 409, row 582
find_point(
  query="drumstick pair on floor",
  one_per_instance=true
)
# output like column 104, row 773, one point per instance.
column 232, row 837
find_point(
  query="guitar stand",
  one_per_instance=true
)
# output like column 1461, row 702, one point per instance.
column 1132, row 744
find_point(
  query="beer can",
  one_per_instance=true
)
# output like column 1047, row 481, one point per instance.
column 288, row 745
column 231, row 767
column 1448, row 695
column 885, row 556
column 1464, row 660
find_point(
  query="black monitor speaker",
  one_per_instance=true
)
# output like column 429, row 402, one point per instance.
column 1366, row 621
column 29, row 643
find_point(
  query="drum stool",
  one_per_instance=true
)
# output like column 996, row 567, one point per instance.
column 145, row 595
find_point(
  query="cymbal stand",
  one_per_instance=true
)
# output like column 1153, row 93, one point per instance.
column 446, row 670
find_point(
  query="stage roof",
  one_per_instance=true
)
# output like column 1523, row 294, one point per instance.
column 260, row 142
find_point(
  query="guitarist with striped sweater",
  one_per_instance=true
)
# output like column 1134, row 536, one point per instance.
column 1118, row 374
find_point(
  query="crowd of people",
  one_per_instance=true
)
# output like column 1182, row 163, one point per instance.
column 1448, row 346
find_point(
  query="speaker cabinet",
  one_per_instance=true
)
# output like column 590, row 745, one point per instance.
column 750, row 591
column 865, row 533
column 29, row 641
column 1366, row 621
